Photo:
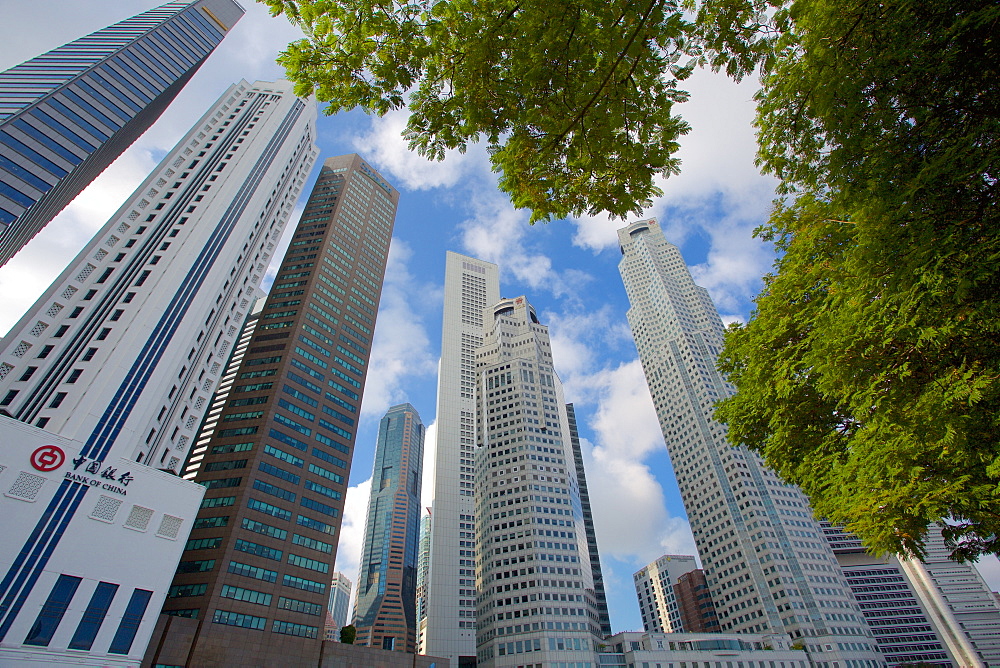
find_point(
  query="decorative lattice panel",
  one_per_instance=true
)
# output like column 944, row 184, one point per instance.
column 138, row 518
column 170, row 526
column 106, row 508
column 26, row 487
column 85, row 272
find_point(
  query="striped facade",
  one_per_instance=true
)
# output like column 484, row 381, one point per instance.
column 67, row 114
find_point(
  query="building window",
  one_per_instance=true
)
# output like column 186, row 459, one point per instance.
column 93, row 616
column 134, row 611
column 52, row 611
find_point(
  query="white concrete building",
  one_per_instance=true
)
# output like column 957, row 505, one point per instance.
column 131, row 338
column 115, row 365
column 470, row 286
column 959, row 602
column 768, row 568
column 654, row 588
column 537, row 603
column 632, row 649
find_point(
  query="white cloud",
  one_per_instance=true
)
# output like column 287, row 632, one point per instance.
column 430, row 457
column 352, row 531
column 496, row 233
column 736, row 263
column 401, row 348
column 384, row 145
column 717, row 170
column 621, row 483
column 29, row 273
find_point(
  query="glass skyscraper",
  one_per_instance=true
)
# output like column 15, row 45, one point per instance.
column 253, row 583
column 67, row 114
column 385, row 613
column 766, row 562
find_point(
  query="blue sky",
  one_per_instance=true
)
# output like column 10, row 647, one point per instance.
column 567, row 269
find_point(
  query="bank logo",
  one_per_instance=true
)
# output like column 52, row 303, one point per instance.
column 48, row 458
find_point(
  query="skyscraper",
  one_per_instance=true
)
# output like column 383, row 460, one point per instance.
column 252, row 586
column 906, row 632
column 654, row 587
column 588, row 524
column 340, row 602
column 695, row 603
column 109, row 373
column 423, row 564
column 385, row 611
column 957, row 598
column 536, row 601
column 470, row 286
column 67, row 114
column 767, row 565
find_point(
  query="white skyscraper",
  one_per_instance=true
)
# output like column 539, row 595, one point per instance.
column 654, row 587
column 108, row 375
column 537, row 604
column 767, row 565
column 470, row 286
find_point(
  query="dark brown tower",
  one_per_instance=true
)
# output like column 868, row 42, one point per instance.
column 695, row 603
column 253, row 584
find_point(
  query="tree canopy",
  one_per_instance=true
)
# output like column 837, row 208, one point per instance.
column 868, row 373
column 574, row 99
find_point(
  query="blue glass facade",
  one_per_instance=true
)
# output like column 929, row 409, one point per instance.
column 67, row 114
column 385, row 613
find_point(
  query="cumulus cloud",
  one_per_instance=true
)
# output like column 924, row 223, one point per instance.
column 384, row 145
column 497, row 232
column 352, row 531
column 430, row 457
column 736, row 262
column 401, row 348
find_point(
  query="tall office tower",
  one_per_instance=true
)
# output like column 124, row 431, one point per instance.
column 67, row 114
column 906, row 632
column 252, row 587
column 225, row 387
column 767, row 566
column 470, row 286
column 536, row 601
column 112, row 369
column 695, row 603
column 385, row 612
column 654, row 587
column 588, row 524
column 340, row 600
column 956, row 596
column 423, row 564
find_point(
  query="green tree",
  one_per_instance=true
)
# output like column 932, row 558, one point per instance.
column 348, row 634
column 573, row 99
column 869, row 371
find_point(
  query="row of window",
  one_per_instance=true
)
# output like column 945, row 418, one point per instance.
column 58, row 601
